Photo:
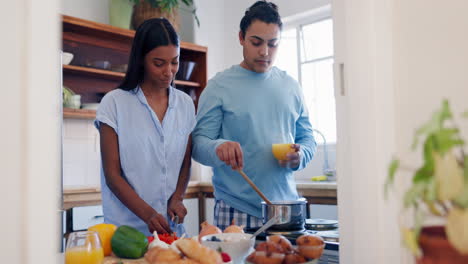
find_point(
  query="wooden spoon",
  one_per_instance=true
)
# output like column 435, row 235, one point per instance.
column 254, row 187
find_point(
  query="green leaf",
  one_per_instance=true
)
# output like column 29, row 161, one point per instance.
column 436, row 123
column 194, row 12
column 187, row 2
column 391, row 175
column 167, row 6
column 465, row 114
column 153, row 3
column 425, row 129
column 413, row 195
column 424, row 174
column 446, row 139
column 444, row 114
column 430, row 193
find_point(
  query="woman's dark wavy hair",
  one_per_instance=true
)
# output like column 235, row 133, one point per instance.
column 262, row 10
column 150, row 34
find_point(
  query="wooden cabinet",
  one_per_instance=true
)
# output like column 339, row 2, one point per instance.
column 100, row 59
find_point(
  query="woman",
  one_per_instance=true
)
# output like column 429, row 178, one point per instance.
column 145, row 128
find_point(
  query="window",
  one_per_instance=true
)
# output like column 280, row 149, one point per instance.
column 306, row 53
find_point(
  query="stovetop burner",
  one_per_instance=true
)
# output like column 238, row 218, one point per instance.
column 286, row 233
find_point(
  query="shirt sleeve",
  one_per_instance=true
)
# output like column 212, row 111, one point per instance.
column 207, row 131
column 304, row 135
column 107, row 112
column 192, row 118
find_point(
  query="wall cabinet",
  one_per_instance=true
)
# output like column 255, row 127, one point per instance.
column 100, row 60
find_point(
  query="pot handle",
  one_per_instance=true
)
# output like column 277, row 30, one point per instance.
column 270, row 222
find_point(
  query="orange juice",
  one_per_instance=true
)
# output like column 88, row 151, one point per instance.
column 83, row 255
column 280, row 150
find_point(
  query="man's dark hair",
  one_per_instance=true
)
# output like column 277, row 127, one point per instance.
column 262, row 10
column 150, row 34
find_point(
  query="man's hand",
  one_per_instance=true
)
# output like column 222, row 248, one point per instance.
column 293, row 158
column 175, row 207
column 231, row 153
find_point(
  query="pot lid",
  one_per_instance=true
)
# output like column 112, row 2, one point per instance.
column 321, row 224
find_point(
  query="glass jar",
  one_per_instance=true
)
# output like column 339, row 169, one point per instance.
column 75, row 101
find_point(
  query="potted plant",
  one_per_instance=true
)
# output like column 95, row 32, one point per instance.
column 131, row 13
column 145, row 9
column 439, row 189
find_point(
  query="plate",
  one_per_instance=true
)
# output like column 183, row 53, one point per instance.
column 314, row 261
column 321, row 224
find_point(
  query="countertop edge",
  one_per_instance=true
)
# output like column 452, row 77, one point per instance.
column 74, row 196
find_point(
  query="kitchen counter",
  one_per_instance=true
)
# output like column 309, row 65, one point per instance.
column 315, row 192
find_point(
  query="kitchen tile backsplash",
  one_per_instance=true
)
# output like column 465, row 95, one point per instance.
column 81, row 154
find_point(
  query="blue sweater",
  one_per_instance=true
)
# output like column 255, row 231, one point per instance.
column 256, row 110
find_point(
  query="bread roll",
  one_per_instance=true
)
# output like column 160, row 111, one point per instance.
column 282, row 241
column 310, row 246
column 162, row 256
column 195, row 251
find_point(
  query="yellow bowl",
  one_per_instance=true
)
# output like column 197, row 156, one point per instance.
column 280, row 150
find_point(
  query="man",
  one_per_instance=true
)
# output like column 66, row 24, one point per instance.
column 241, row 113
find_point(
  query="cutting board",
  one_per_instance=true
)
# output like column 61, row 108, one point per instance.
column 115, row 260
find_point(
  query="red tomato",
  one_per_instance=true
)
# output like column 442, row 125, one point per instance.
column 167, row 238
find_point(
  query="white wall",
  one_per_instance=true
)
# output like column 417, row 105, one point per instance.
column 98, row 11
column 30, row 132
column 401, row 58
column 81, row 154
column 430, row 62
column 94, row 10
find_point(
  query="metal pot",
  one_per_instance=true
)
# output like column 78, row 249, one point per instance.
column 292, row 214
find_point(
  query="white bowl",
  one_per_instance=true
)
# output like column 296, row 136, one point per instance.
column 67, row 57
column 237, row 245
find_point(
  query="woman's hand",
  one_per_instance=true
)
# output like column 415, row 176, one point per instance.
column 157, row 222
column 293, row 158
column 175, row 207
column 231, row 153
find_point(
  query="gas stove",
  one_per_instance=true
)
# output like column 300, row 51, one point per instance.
column 327, row 229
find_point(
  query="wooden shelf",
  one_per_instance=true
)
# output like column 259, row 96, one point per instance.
column 187, row 83
column 79, row 113
column 91, row 41
column 98, row 30
column 111, row 75
column 92, row 72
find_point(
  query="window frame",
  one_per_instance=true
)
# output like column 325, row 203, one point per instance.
column 301, row 20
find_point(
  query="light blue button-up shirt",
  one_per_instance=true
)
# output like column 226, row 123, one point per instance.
column 256, row 110
column 151, row 152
